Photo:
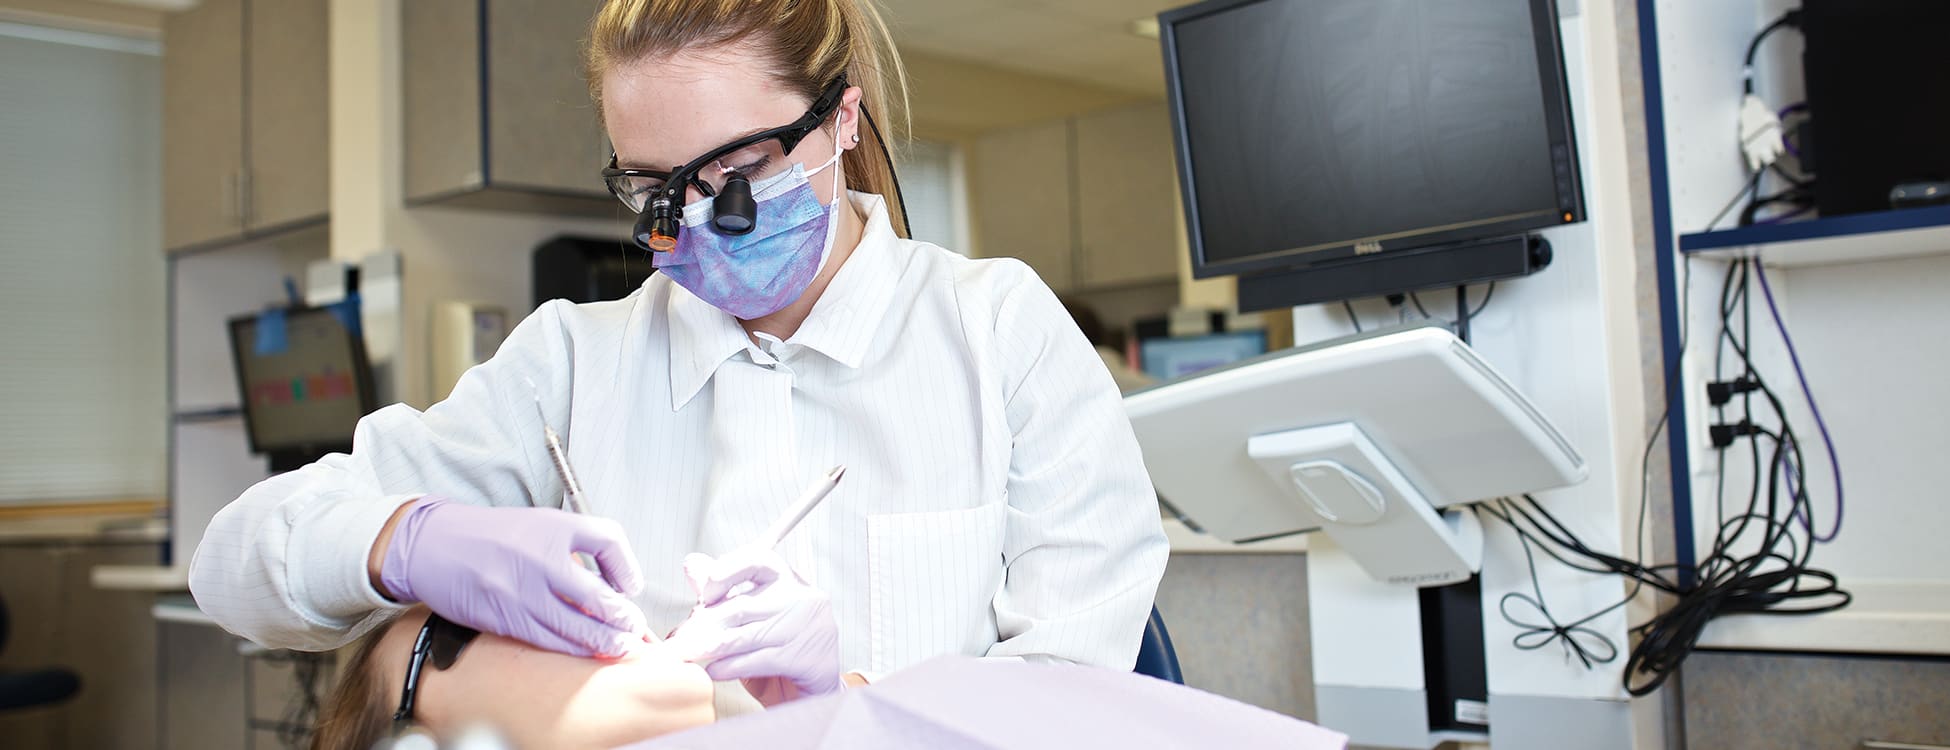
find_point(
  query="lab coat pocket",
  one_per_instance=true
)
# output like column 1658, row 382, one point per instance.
column 932, row 583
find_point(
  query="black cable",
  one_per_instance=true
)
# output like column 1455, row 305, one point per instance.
column 1798, row 195
column 1351, row 317
column 1752, row 183
column 302, row 714
column 887, row 152
column 1463, row 322
column 1790, row 18
column 1487, row 295
column 1589, row 646
column 1775, row 578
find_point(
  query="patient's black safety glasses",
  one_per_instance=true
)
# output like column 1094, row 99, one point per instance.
column 724, row 174
column 440, row 641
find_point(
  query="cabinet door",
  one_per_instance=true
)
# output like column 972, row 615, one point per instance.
column 1019, row 185
column 1126, row 197
column 542, row 128
column 204, row 705
column 203, row 123
column 289, row 160
column 440, row 103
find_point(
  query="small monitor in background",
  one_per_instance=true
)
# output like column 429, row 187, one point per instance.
column 1167, row 358
column 304, row 381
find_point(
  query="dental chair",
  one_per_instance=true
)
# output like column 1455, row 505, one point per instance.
column 33, row 688
column 1156, row 658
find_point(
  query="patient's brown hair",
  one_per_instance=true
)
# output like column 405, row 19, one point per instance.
column 360, row 712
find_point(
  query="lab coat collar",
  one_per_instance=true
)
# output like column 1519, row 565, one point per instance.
column 841, row 325
column 701, row 338
column 843, row 322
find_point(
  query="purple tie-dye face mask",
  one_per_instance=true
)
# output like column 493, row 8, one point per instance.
column 757, row 274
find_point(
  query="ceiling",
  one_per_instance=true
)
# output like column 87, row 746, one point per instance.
column 1085, row 41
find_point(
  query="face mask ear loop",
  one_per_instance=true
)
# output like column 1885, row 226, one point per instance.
column 833, row 210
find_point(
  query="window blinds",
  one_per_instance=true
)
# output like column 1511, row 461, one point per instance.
column 82, row 317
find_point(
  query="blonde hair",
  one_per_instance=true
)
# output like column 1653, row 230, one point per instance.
column 809, row 42
column 359, row 714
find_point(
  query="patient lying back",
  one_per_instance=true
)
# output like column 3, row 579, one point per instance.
column 531, row 697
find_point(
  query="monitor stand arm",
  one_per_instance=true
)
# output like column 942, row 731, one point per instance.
column 1341, row 479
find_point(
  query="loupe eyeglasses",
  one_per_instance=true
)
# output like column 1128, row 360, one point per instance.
column 724, row 175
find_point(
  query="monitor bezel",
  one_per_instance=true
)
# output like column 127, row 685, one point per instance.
column 362, row 379
column 1552, row 81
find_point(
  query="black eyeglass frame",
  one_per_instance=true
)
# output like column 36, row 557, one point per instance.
column 659, row 208
column 441, row 640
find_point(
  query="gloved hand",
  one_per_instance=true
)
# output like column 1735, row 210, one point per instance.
column 759, row 622
column 512, row 572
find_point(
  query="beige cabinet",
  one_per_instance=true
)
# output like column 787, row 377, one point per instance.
column 203, row 124
column 1020, row 184
column 1089, row 201
column 245, row 111
column 497, row 114
column 288, row 116
column 1127, row 197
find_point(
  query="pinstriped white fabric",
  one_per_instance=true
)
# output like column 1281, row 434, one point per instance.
column 995, row 501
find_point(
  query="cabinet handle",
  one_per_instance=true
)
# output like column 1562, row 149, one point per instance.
column 229, row 196
column 245, row 206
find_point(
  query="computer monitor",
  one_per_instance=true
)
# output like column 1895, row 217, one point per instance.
column 1331, row 146
column 303, row 387
column 1167, row 358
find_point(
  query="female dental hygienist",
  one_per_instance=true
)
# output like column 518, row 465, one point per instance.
column 995, row 502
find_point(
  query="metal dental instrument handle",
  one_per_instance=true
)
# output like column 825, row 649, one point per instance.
column 571, row 488
column 800, row 508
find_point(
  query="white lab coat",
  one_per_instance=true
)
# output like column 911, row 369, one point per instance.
column 995, row 501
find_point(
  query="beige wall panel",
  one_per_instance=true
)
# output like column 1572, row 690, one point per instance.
column 1126, row 202
column 1019, row 190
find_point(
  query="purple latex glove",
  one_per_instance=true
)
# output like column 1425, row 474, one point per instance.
column 512, row 572
column 758, row 621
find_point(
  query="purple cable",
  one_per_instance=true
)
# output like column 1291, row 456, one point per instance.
column 1782, row 116
column 1834, row 463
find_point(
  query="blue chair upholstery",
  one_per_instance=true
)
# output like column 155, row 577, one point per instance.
column 30, row 689
column 1156, row 657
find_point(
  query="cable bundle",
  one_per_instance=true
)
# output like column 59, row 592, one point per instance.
column 1777, row 525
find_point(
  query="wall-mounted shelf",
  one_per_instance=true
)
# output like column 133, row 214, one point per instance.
column 1855, row 238
column 1887, row 617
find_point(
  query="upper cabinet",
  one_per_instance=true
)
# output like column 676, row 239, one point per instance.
column 244, row 120
column 496, row 111
column 1090, row 201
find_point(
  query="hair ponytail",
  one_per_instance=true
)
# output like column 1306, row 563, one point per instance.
column 810, row 42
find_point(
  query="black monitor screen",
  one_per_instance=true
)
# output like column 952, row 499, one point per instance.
column 305, row 386
column 1313, row 124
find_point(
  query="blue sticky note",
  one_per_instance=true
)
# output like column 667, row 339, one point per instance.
column 271, row 337
column 347, row 311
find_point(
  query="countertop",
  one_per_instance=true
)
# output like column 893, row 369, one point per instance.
column 84, row 528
